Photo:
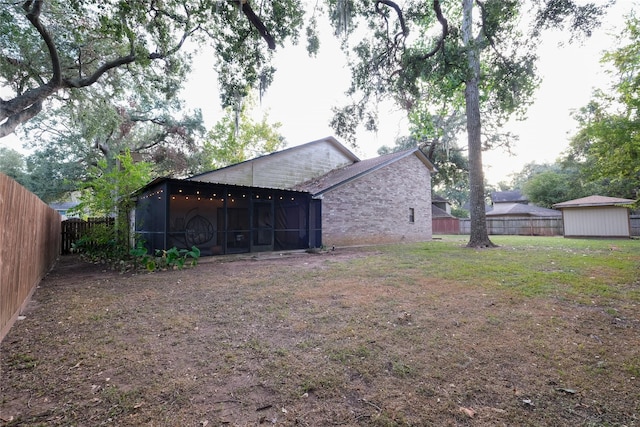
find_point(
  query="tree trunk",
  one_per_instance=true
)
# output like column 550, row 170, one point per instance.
column 479, row 236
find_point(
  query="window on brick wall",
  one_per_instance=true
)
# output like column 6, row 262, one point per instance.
column 412, row 215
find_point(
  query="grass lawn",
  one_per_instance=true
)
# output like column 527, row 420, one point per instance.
column 538, row 332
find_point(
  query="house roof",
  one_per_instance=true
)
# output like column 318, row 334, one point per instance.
column 162, row 180
column 437, row 212
column 331, row 140
column 63, row 205
column 341, row 176
column 519, row 209
column 438, row 198
column 594, row 200
column 508, row 197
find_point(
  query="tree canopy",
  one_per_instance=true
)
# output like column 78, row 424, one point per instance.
column 53, row 50
column 469, row 55
column 237, row 137
column 476, row 58
column 607, row 145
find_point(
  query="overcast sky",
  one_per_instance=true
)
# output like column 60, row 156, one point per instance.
column 305, row 89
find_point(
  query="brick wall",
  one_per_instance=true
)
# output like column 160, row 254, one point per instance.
column 375, row 207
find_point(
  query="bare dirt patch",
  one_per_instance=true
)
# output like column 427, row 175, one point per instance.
column 311, row 339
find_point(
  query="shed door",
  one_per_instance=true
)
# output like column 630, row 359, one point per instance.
column 262, row 230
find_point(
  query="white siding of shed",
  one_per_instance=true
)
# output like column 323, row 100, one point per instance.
column 607, row 221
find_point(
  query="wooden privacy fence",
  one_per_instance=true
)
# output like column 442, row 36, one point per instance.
column 445, row 225
column 74, row 228
column 527, row 226
column 519, row 226
column 29, row 247
column 634, row 220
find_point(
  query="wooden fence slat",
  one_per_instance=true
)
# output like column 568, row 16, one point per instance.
column 74, row 228
column 532, row 226
column 29, row 246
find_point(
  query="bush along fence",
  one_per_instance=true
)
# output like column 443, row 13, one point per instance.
column 29, row 246
column 74, row 228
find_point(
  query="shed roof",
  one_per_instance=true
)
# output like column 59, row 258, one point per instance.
column 594, row 200
column 338, row 177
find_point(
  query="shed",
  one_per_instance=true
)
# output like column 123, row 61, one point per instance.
column 596, row 216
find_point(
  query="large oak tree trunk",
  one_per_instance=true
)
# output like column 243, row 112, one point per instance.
column 479, row 236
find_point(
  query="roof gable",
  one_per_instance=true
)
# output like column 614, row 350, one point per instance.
column 286, row 168
column 341, row 176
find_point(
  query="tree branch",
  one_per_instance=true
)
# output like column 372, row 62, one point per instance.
column 26, row 114
column 488, row 36
column 445, row 31
column 33, row 9
column 88, row 81
column 403, row 25
column 256, row 22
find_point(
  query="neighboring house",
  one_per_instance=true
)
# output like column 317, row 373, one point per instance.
column 441, row 203
column 514, row 196
column 442, row 220
column 63, row 207
column 596, row 216
column 305, row 196
column 515, row 204
column 520, row 210
column 511, row 214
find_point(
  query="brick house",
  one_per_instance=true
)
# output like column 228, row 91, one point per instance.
column 332, row 199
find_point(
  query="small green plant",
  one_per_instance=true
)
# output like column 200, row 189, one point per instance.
column 170, row 259
column 139, row 255
column 23, row 361
column 100, row 243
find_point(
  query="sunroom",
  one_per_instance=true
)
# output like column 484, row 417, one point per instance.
column 225, row 219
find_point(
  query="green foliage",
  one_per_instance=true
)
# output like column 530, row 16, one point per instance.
column 459, row 212
column 607, row 146
column 57, row 49
column 237, row 137
column 145, row 121
column 101, row 243
column 107, row 193
column 171, row 259
column 13, row 165
column 547, row 188
column 109, row 186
